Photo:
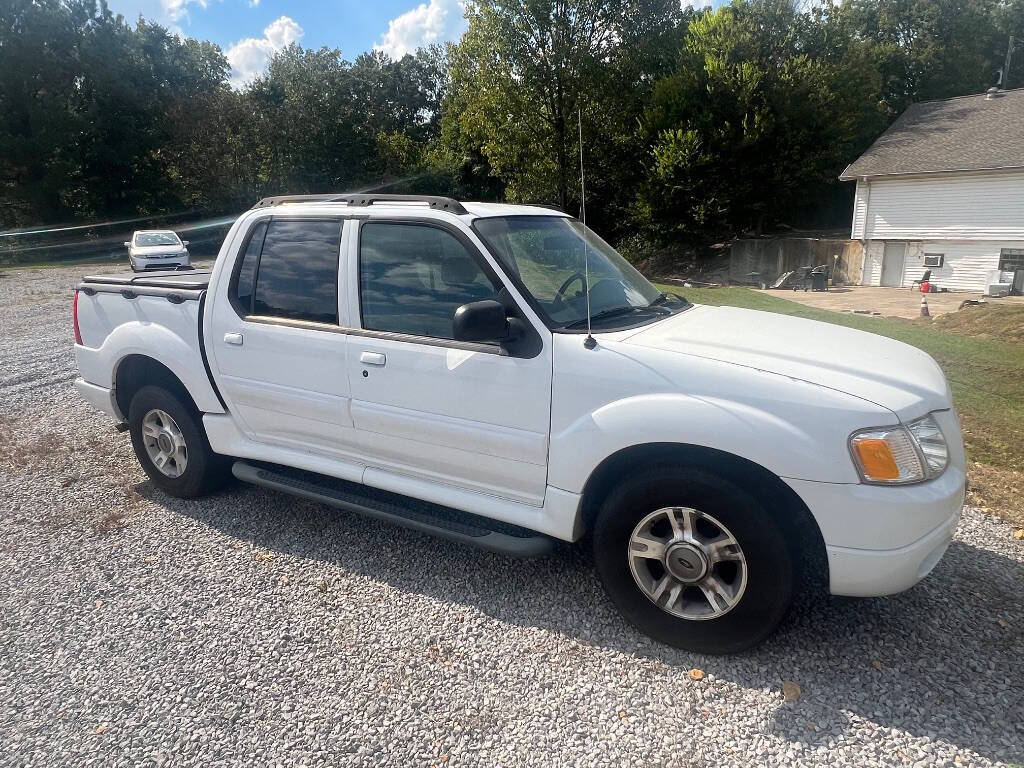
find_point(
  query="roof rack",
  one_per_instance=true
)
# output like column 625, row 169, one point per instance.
column 435, row 202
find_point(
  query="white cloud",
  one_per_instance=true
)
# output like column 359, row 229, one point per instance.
column 698, row 4
column 176, row 10
column 249, row 57
column 433, row 22
column 253, row 3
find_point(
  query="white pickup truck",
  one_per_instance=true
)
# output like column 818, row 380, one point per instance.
column 428, row 362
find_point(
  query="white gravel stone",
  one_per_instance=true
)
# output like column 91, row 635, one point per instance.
column 250, row 628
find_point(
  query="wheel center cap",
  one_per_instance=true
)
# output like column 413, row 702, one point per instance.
column 686, row 562
column 165, row 443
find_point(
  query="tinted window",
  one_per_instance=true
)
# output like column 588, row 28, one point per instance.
column 298, row 271
column 413, row 277
column 247, row 269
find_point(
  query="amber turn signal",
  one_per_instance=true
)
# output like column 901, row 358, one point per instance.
column 876, row 459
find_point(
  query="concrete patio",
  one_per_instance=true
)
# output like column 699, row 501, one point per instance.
column 889, row 302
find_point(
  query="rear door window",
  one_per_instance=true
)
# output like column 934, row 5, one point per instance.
column 245, row 279
column 297, row 274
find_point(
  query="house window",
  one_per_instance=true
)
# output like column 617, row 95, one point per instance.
column 1011, row 258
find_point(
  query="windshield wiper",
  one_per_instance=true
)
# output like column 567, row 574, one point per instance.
column 664, row 298
column 605, row 314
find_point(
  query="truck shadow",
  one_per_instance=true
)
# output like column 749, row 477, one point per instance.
column 941, row 661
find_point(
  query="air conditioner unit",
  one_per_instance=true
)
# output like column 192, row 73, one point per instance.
column 933, row 259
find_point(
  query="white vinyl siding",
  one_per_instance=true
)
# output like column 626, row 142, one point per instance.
column 967, row 217
column 966, row 265
column 860, row 209
column 977, row 206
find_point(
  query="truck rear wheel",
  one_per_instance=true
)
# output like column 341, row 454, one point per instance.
column 171, row 445
column 693, row 560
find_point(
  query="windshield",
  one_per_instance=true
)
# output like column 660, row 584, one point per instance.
column 546, row 253
column 156, row 238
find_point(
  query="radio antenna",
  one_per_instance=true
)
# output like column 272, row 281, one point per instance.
column 590, row 342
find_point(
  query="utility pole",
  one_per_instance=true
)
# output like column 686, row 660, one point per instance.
column 1005, row 79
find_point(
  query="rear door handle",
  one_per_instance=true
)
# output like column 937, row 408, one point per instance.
column 233, row 338
column 372, row 358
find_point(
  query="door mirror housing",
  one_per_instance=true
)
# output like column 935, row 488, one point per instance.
column 127, row 244
column 481, row 321
column 184, row 242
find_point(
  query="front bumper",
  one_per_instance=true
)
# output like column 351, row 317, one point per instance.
column 160, row 262
column 873, row 573
column 882, row 540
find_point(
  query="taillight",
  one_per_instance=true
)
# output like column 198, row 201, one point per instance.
column 74, row 315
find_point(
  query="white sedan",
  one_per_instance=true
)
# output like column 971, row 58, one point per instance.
column 157, row 249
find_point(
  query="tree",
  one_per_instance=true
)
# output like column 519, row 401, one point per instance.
column 766, row 108
column 37, row 77
column 931, row 49
column 1009, row 20
column 524, row 69
column 697, row 125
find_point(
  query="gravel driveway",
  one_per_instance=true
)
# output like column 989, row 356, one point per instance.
column 255, row 629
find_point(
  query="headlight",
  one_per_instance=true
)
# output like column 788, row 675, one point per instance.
column 899, row 455
column 932, row 444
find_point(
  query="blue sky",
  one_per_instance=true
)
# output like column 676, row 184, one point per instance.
column 249, row 31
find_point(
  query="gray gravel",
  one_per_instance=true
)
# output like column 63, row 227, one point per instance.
column 254, row 629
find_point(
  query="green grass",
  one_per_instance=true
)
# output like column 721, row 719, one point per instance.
column 986, row 374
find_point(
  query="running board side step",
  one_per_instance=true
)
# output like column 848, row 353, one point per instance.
column 423, row 516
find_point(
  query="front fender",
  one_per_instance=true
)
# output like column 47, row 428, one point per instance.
column 183, row 358
column 798, row 448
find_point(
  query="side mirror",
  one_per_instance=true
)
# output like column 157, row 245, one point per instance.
column 127, row 244
column 184, row 242
column 480, row 321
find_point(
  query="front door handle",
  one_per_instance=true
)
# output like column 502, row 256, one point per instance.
column 372, row 358
column 233, row 338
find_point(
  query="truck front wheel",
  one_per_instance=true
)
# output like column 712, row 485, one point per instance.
column 171, row 445
column 693, row 560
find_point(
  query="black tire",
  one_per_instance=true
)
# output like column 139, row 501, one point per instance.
column 769, row 561
column 205, row 471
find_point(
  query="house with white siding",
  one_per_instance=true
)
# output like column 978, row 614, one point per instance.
column 943, row 189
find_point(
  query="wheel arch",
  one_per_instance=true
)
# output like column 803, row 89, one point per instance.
column 797, row 519
column 135, row 371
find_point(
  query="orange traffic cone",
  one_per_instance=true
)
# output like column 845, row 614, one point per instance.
column 924, row 307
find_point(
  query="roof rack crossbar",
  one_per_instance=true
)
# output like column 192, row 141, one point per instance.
column 362, row 200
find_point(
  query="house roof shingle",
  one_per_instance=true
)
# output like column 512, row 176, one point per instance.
column 967, row 133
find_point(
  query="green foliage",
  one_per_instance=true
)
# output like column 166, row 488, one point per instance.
column 697, row 125
column 524, row 70
column 763, row 114
column 99, row 119
column 934, row 49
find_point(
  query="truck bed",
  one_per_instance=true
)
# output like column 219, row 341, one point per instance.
column 159, row 313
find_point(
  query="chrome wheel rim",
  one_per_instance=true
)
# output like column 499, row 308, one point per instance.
column 165, row 445
column 687, row 563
